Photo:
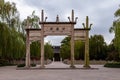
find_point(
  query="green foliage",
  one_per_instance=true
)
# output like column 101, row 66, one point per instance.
column 117, row 13
column 79, row 50
column 4, row 62
column 9, row 14
column 65, row 52
column 33, row 65
column 98, row 47
column 116, row 29
column 23, row 65
column 65, row 48
column 48, row 51
column 112, row 65
column 113, row 54
column 12, row 34
column 32, row 20
column 12, row 42
column 35, row 50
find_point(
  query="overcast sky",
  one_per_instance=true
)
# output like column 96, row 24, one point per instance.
column 100, row 12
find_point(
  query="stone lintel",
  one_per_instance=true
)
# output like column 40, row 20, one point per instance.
column 57, row 22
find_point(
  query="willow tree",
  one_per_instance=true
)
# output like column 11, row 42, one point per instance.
column 32, row 21
column 12, row 45
column 9, row 13
column 116, row 30
column 2, row 15
column 4, row 35
column 98, row 47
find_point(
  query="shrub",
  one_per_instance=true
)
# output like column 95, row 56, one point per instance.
column 4, row 62
column 33, row 65
column 23, row 65
column 112, row 65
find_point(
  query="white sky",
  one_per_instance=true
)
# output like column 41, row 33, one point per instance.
column 100, row 12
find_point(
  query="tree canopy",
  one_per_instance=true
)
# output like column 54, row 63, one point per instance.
column 12, row 33
column 116, row 30
column 98, row 47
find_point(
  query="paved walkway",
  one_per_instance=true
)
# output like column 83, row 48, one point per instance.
column 57, row 65
column 10, row 73
column 61, row 65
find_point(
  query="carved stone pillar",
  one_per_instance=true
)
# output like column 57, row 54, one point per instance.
column 72, row 42
column 87, row 27
column 42, row 40
column 27, row 64
column 86, row 64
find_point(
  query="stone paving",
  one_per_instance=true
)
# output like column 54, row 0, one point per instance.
column 10, row 73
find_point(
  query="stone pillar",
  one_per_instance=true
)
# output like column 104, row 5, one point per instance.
column 72, row 41
column 42, row 40
column 53, row 59
column 86, row 63
column 61, row 59
column 27, row 64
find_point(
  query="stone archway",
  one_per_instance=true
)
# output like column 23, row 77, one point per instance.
column 58, row 28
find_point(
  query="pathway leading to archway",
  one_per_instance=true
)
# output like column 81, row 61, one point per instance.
column 61, row 65
column 57, row 65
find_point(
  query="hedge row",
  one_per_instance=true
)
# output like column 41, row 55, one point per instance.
column 5, row 63
column 23, row 65
column 112, row 65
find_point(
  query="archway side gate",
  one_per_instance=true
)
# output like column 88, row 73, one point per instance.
column 58, row 28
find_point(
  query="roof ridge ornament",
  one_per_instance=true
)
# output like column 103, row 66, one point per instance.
column 57, row 18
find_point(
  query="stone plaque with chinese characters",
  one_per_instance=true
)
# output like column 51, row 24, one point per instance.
column 57, row 29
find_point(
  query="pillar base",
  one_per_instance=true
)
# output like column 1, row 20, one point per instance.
column 27, row 67
column 72, row 66
column 42, row 66
column 86, row 66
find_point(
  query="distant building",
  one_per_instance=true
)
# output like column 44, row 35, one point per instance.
column 56, row 52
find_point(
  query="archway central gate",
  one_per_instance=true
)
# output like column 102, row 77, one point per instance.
column 58, row 28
